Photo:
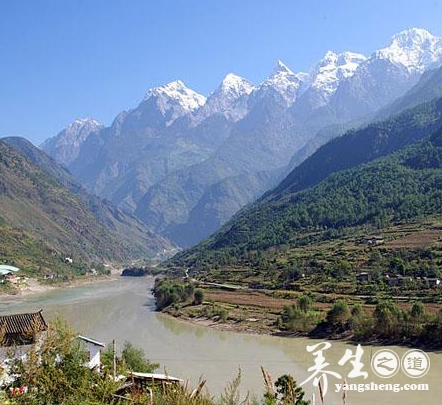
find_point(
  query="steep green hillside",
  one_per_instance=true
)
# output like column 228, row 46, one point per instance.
column 42, row 222
column 128, row 228
column 397, row 188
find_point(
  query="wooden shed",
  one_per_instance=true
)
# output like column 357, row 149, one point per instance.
column 21, row 329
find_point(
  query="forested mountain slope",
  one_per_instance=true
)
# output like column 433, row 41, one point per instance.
column 400, row 187
column 363, row 145
column 126, row 226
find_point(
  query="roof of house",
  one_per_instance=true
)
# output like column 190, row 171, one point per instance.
column 8, row 268
column 92, row 341
column 23, row 323
column 154, row 376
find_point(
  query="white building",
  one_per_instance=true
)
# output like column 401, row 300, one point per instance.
column 94, row 348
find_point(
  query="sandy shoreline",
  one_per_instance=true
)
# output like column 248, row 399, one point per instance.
column 33, row 287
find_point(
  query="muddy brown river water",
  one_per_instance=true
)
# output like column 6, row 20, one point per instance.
column 123, row 309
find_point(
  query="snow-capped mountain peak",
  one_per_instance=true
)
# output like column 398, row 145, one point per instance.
column 179, row 92
column 416, row 49
column 331, row 70
column 65, row 146
column 282, row 81
column 229, row 99
column 281, row 67
column 174, row 100
column 82, row 122
column 234, row 86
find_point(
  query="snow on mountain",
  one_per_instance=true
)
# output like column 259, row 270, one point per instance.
column 234, row 86
column 416, row 49
column 327, row 74
column 174, row 100
column 82, row 127
column 229, row 99
column 65, row 146
column 284, row 82
column 387, row 74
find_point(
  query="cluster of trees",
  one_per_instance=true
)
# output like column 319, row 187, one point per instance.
column 388, row 322
column 300, row 317
column 168, row 292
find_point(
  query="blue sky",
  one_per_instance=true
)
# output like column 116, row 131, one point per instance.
column 66, row 59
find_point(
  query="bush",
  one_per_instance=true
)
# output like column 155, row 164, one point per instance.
column 168, row 292
column 135, row 359
column 198, row 297
column 338, row 314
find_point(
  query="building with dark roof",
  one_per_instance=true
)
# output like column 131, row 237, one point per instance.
column 21, row 329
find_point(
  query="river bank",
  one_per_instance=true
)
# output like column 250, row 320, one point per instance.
column 124, row 309
column 274, row 313
column 32, row 287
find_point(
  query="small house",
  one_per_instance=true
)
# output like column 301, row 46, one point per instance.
column 397, row 281
column 432, row 281
column 144, row 379
column 143, row 382
column 94, row 348
column 21, row 329
column 7, row 273
column 363, row 277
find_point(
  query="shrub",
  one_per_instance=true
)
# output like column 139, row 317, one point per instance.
column 198, row 297
column 338, row 314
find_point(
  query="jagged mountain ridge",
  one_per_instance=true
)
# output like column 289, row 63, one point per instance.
column 148, row 160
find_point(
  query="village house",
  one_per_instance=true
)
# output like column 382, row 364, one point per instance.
column 432, row 281
column 94, row 349
column 372, row 240
column 363, row 277
column 7, row 273
column 21, row 329
column 396, row 281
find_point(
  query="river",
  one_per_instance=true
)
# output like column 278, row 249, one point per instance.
column 123, row 309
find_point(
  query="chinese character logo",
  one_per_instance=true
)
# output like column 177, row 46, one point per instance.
column 385, row 363
column 320, row 365
column 320, row 371
column 415, row 363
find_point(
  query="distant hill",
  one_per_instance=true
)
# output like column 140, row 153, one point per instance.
column 128, row 227
column 45, row 217
column 399, row 187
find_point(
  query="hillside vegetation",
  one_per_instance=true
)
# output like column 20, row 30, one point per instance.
column 42, row 222
column 398, row 188
column 364, row 145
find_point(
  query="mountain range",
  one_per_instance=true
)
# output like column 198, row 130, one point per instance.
column 184, row 163
column 389, row 172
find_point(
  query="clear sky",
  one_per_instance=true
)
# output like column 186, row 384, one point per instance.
column 67, row 59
